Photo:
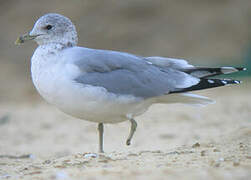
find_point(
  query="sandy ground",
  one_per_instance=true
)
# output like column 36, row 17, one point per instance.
column 37, row 141
column 172, row 141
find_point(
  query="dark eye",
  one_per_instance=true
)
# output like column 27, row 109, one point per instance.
column 48, row 27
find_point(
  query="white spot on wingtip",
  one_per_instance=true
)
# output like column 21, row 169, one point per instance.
column 237, row 82
column 224, row 82
column 244, row 69
column 210, row 81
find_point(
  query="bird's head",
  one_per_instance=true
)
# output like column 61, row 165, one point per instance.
column 52, row 28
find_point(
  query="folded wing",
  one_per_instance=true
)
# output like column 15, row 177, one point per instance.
column 145, row 77
column 127, row 74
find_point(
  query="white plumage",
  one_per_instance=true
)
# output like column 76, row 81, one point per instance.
column 108, row 86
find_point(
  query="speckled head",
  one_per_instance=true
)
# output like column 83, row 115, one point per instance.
column 54, row 28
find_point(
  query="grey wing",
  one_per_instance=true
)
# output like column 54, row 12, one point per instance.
column 121, row 81
column 164, row 62
column 184, row 66
column 126, row 74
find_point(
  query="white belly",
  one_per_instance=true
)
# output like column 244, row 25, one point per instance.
column 56, row 84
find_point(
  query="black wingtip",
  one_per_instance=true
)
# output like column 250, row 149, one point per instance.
column 208, row 83
column 230, row 81
column 241, row 68
column 205, row 72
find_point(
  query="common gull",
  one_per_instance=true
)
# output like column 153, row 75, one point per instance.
column 106, row 86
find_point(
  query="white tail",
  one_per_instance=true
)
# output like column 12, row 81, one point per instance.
column 185, row 98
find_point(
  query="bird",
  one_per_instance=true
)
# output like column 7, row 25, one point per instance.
column 105, row 86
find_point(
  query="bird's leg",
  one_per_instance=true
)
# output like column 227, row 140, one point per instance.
column 132, row 131
column 101, row 133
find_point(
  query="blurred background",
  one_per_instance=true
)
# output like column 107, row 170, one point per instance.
column 37, row 141
column 205, row 32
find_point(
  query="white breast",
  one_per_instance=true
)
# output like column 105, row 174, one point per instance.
column 53, row 77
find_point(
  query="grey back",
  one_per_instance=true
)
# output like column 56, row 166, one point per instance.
column 127, row 74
